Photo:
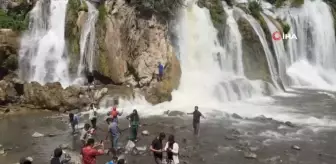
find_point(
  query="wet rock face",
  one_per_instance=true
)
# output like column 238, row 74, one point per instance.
column 9, row 45
column 133, row 46
column 254, row 57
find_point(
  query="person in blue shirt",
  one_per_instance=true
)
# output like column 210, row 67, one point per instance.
column 74, row 120
column 161, row 68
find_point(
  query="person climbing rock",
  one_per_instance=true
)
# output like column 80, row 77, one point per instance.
column 93, row 116
column 196, row 120
column 134, row 125
column 89, row 152
column 157, row 148
column 161, row 69
column 74, row 120
column 172, row 149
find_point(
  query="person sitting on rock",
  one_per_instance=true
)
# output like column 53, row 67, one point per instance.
column 134, row 125
column 161, row 68
column 74, row 120
column 89, row 152
column 86, row 133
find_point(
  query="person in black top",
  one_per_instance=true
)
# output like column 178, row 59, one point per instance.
column 56, row 159
column 196, row 120
column 157, row 148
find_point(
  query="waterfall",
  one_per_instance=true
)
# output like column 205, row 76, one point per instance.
column 87, row 40
column 311, row 58
column 259, row 31
column 279, row 51
column 42, row 53
column 210, row 73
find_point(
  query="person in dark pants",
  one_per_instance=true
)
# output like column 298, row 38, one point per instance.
column 157, row 148
column 134, row 125
column 161, row 68
column 196, row 120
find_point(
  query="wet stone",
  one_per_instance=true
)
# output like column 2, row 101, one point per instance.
column 250, row 155
column 145, row 133
column 236, row 116
column 295, row 147
column 288, row 123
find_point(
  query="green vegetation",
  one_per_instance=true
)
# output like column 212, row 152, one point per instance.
column 163, row 9
column 255, row 9
column 216, row 10
column 297, row 3
column 285, row 26
column 279, row 3
column 102, row 14
column 14, row 20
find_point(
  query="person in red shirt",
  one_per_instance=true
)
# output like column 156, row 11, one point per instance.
column 114, row 113
column 89, row 152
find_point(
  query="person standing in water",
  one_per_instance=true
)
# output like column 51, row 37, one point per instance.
column 86, row 133
column 172, row 149
column 161, row 68
column 134, row 125
column 93, row 116
column 113, row 133
column 74, row 120
column 196, row 120
column 114, row 113
column 157, row 148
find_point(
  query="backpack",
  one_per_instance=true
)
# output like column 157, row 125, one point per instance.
column 114, row 113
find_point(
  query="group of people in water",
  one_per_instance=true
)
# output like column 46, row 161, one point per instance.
column 90, row 149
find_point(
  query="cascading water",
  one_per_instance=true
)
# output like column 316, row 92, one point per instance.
column 279, row 51
column 210, row 73
column 311, row 58
column 43, row 56
column 259, row 31
column 87, row 40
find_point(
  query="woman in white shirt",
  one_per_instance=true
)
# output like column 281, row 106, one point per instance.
column 93, row 116
column 172, row 149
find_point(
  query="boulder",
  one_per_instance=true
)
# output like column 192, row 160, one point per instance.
column 53, row 97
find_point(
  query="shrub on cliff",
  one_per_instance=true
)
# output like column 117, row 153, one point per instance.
column 13, row 20
column 255, row 8
column 164, row 9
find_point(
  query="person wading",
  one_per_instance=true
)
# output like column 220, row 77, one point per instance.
column 89, row 152
column 93, row 116
column 157, row 148
column 86, row 133
column 113, row 133
column 73, row 119
column 134, row 125
column 196, row 120
column 114, row 113
column 172, row 149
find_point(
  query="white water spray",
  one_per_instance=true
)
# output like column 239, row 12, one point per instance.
column 43, row 56
column 87, row 40
column 311, row 58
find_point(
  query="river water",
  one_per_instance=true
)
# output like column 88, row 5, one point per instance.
column 224, row 138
